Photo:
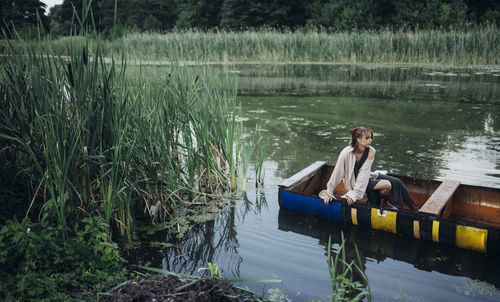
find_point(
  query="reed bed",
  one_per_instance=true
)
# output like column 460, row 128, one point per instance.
column 455, row 47
column 93, row 140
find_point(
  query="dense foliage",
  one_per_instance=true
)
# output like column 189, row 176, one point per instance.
column 40, row 261
column 87, row 151
column 334, row 15
column 119, row 16
column 23, row 15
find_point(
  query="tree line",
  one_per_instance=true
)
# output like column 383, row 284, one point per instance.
column 331, row 15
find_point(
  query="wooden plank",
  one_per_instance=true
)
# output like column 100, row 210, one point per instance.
column 447, row 209
column 440, row 197
column 314, row 184
column 307, row 172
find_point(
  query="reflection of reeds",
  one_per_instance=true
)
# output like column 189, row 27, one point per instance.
column 465, row 85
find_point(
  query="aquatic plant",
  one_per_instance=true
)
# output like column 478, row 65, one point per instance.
column 262, row 146
column 343, row 275
column 92, row 142
column 214, row 270
column 97, row 147
column 246, row 155
column 95, row 140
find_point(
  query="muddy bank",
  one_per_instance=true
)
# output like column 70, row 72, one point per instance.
column 173, row 289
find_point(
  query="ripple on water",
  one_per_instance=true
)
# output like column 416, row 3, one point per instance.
column 241, row 119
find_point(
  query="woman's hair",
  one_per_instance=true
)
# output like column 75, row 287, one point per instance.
column 357, row 133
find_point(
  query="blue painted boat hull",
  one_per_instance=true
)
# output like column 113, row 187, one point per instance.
column 296, row 194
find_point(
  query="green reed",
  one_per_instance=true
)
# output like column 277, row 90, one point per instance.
column 95, row 140
column 476, row 45
column 246, row 154
column 468, row 46
column 343, row 274
column 261, row 146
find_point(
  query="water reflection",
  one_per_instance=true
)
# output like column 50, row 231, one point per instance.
column 424, row 119
column 379, row 246
column 253, row 239
column 429, row 123
column 213, row 241
column 417, row 83
column 411, row 137
column 253, row 206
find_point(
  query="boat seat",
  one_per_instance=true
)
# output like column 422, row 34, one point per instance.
column 439, row 199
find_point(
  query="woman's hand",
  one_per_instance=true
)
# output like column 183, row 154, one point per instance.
column 350, row 201
column 325, row 196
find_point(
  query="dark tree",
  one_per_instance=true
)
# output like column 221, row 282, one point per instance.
column 332, row 15
column 429, row 13
column 480, row 11
column 75, row 15
column 148, row 15
column 239, row 14
column 151, row 15
column 203, row 14
column 21, row 15
column 345, row 15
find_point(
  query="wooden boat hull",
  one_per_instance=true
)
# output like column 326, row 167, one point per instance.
column 478, row 229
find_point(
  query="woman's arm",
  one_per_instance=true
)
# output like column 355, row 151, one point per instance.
column 338, row 173
column 362, row 180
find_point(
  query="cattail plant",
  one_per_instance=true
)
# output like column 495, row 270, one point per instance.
column 100, row 142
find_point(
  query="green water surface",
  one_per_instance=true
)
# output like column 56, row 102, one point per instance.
column 430, row 123
column 434, row 124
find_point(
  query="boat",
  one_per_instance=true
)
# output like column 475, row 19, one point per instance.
column 463, row 215
column 381, row 246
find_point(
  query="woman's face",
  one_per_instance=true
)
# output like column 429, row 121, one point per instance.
column 365, row 140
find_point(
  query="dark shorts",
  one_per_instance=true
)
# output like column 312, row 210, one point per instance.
column 372, row 183
column 399, row 192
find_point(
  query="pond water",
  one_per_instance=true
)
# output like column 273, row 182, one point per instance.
column 431, row 123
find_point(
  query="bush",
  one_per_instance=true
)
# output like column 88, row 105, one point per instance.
column 40, row 261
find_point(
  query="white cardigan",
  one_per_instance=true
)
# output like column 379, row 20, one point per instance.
column 344, row 171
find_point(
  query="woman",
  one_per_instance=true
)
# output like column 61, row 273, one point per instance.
column 353, row 168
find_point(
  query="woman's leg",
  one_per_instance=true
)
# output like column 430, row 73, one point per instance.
column 384, row 186
column 376, row 189
column 399, row 192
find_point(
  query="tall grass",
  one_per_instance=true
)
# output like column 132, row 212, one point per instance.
column 95, row 141
column 462, row 46
column 246, row 154
column 478, row 45
column 343, row 275
column 262, row 146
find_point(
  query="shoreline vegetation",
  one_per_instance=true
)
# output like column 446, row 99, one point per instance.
column 89, row 152
column 478, row 46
